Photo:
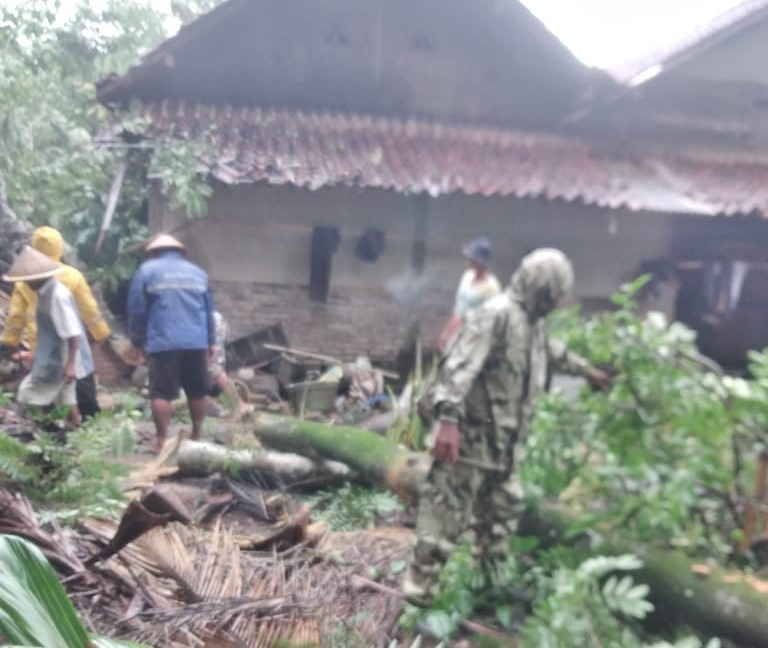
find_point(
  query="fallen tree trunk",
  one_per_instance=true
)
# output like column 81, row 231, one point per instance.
column 370, row 455
column 728, row 605
column 197, row 458
column 721, row 603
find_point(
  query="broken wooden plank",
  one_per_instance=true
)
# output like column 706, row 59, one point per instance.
column 322, row 358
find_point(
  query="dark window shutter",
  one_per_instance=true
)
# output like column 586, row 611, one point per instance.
column 325, row 243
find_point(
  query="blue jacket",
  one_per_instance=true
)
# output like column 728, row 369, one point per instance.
column 170, row 305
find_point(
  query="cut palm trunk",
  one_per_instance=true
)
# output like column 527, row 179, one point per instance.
column 729, row 605
column 368, row 454
column 197, row 458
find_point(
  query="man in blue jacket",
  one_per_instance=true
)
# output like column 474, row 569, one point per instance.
column 171, row 322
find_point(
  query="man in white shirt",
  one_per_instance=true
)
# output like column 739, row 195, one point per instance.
column 62, row 355
column 477, row 285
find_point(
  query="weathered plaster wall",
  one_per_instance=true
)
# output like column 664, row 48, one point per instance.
column 255, row 244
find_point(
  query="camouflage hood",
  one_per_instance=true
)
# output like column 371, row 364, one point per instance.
column 542, row 277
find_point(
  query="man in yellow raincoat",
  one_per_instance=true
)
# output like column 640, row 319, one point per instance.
column 21, row 317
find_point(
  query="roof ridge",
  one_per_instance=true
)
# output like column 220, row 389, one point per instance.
column 702, row 36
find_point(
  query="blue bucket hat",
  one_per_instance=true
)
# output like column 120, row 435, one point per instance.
column 478, row 250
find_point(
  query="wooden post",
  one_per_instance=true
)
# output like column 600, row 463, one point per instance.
column 753, row 505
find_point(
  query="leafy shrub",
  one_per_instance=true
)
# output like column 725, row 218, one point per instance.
column 590, row 605
column 81, row 471
column 352, row 507
column 34, row 608
column 650, row 459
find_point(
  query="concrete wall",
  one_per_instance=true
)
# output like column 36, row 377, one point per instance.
column 603, row 245
column 255, row 244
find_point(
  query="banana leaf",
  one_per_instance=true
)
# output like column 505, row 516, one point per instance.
column 34, row 608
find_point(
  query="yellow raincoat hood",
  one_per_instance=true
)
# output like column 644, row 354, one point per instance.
column 48, row 241
column 20, row 322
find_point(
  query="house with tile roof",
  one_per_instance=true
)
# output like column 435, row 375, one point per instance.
column 705, row 98
column 354, row 145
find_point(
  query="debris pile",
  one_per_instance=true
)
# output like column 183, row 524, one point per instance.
column 211, row 550
column 272, row 376
column 159, row 579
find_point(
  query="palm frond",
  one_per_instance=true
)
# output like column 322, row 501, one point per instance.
column 34, row 608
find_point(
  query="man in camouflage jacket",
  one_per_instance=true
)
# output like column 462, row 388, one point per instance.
column 486, row 389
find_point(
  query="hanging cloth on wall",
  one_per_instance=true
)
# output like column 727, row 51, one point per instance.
column 738, row 275
column 325, row 243
column 723, row 281
column 717, row 285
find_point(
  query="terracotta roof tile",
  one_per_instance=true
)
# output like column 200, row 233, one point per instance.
column 411, row 156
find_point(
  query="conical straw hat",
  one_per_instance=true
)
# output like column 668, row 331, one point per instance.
column 164, row 242
column 31, row 265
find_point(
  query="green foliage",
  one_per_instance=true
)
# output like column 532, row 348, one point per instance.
column 175, row 164
column 15, row 459
column 55, row 416
column 112, row 265
column 352, row 507
column 57, row 173
column 186, row 11
column 80, row 473
column 48, row 114
column 572, row 602
column 408, row 428
column 34, row 608
column 649, row 459
column 460, row 586
column 592, row 605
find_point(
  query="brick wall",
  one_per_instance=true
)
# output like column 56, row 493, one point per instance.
column 353, row 321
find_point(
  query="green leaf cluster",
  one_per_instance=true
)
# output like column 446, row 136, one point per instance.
column 79, row 475
column 53, row 156
column 652, row 459
column 34, row 608
column 16, row 461
column 175, row 163
column 551, row 598
column 594, row 603
column 49, row 117
column 350, row 507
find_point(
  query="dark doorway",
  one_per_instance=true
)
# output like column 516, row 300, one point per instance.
column 723, row 266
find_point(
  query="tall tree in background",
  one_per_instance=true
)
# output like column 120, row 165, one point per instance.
column 53, row 170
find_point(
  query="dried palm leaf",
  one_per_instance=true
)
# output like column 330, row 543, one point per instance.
column 148, row 474
column 17, row 517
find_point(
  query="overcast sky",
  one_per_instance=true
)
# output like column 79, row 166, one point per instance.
column 602, row 33
column 609, row 33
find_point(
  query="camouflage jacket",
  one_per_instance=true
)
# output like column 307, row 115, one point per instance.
column 496, row 367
